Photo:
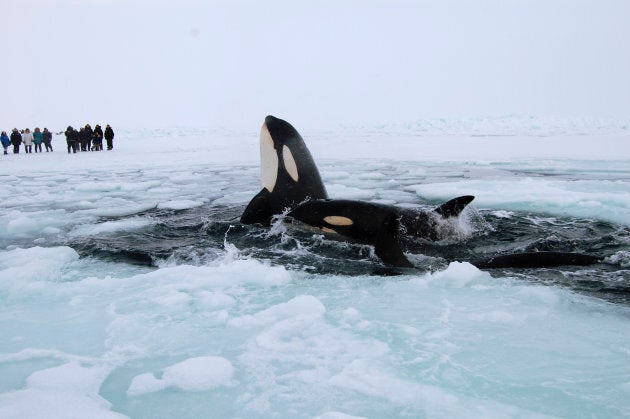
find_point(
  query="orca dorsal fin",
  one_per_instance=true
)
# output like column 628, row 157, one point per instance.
column 287, row 170
column 258, row 209
column 454, row 207
column 387, row 246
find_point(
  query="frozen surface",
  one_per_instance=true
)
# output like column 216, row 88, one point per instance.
column 230, row 333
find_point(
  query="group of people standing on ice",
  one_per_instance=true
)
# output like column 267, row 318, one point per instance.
column 88, row 139
column 27, row 138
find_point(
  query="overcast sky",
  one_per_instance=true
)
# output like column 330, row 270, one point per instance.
column 141, row 63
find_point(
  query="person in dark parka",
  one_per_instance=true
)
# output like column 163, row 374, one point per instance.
column 83, row 139
column 16, row 140
column 47, row 140
column 88, row 135
column 109, row 137
column 72, row 137
column 97, row 138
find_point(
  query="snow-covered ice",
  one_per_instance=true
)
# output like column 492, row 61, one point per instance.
column 236, row 335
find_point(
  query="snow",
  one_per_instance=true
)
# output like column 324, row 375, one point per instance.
column 235, row 336
column 109, row 226
column 193, row 374
column 69, row 391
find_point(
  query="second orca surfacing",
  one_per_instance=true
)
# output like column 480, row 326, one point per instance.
column 378, row 224
column 292, row 186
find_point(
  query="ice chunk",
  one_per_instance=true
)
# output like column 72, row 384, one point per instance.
column 22, row 225
column 67, row 391
column 306, row 305
column 179, row 205
column 110, row 226
column 35, row 263
column 194, row 374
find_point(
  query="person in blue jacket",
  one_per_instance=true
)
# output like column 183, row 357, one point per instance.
column 6, row 142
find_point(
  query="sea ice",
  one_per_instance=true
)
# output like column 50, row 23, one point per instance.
column 193, row 374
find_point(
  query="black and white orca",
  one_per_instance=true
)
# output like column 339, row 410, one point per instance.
column 288, row 173
column 536, row 260
column 292, row 185
column 379, row 225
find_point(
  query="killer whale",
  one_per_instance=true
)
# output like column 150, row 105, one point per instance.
column 536, row 260
column 292, row 185
column 288, row 173
column 378, row 224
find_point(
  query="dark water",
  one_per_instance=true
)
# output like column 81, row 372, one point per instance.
column 198, row 236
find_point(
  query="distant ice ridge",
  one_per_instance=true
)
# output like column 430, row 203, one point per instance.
column 508, row 125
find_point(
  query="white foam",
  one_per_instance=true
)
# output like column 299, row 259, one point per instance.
column 621, row 258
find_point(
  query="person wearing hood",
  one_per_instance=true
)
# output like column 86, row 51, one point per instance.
column 97, row 138
column 16, row 140
column 83, row 139
column 47, row 137
column 72, row 136
column 4, row 139
column 88, row 138
column 109, row 137
column 38, row 138
column 27, row 138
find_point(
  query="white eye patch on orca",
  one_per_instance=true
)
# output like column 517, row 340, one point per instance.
column 289, row 163
column 337, row 220
column 268, row 160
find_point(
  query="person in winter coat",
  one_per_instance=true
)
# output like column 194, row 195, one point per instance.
column 16, row 140
column 38, row 138
column 98, row 130
column 97, row 139
column 4, row 139
column 109, row 136
column 47, row 137
column 72, row 137
column 83, row 139
column 88, row 137
column 27, row 138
